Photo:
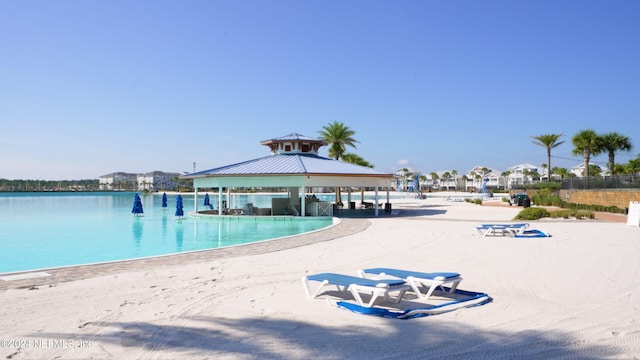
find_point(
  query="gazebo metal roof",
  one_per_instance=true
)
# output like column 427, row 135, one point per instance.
column 290, row 164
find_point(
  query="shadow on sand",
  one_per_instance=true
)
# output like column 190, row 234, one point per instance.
column 284, row 339
column 421, row 210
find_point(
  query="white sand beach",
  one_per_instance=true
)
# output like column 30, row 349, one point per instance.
column 575, row 295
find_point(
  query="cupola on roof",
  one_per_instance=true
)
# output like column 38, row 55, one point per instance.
column 294, row 143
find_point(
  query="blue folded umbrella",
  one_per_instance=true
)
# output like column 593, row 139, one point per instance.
column 179, row 210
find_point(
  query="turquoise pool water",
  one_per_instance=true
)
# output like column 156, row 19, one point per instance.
column 44, row 230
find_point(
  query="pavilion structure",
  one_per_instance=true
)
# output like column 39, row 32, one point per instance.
column 294, row 164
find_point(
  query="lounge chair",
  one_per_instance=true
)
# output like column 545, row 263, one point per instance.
column 357, row 285
column 465, row 299
column 501, row 229
column 533, row 233
column 419, row 281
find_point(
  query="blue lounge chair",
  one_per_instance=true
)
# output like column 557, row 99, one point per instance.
column 533, row 233
column 465, row 299
column 501, row 229
column 423, row 284
column 356, row 286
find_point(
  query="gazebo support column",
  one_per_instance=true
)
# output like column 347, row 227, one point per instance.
column 195, row 199
column 376, row 202
column 303, row 203
column 220, row 200
column 294, row 193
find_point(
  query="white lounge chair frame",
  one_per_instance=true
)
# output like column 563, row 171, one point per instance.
column 357, row 286
column 422, row 284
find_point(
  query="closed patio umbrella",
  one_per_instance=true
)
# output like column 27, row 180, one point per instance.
column 137, row 206
column 179, row 211
column 207, row 202
column 164, row 200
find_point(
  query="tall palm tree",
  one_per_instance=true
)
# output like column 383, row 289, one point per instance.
column 548, row 141
column 505, row 175
column 434, row 179
column 586, row 143
column 446, row 176
column 611, row 143
column 338, row 136
column 455, row 178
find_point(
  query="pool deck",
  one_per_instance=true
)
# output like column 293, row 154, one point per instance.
column 45, row 277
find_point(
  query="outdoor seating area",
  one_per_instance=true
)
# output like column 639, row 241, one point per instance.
column 371, row 292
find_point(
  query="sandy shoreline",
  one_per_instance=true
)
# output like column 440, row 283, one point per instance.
column 573, row 295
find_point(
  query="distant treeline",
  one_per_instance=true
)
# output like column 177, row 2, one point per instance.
column 49, row 185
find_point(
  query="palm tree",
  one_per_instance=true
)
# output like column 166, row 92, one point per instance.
column 562, row 172
column 455, row 178
column 620, row 169
column 586, row 143
column 422, row 178
column 611, row 143
column 505, row 175
column 434, row 179
column 339, row 136
column 633, row 166
column 548, row 141
column 595, row 170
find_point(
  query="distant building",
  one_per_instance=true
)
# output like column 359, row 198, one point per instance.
column 158, row 180
column 118, row 181
column 479, row 174
column 578, row 170
column 521, row 174
column 151, row 181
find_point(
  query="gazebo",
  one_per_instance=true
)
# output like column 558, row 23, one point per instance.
column 294, row 163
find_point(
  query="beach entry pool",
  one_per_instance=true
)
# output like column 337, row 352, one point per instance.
column 45, row 230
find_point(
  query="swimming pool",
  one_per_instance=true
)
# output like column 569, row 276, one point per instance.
column 44, row 230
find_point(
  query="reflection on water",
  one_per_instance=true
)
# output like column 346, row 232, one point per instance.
column 179, row 236
column 137, row 230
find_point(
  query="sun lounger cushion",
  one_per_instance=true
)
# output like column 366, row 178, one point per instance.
column 346, row 280
column 405, row 273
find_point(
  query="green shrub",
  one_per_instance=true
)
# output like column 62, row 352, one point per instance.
column 532, row 214
column 566, row 214
column 474, row 201
column 542, row 198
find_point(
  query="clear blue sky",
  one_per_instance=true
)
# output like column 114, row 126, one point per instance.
column 92, row 87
